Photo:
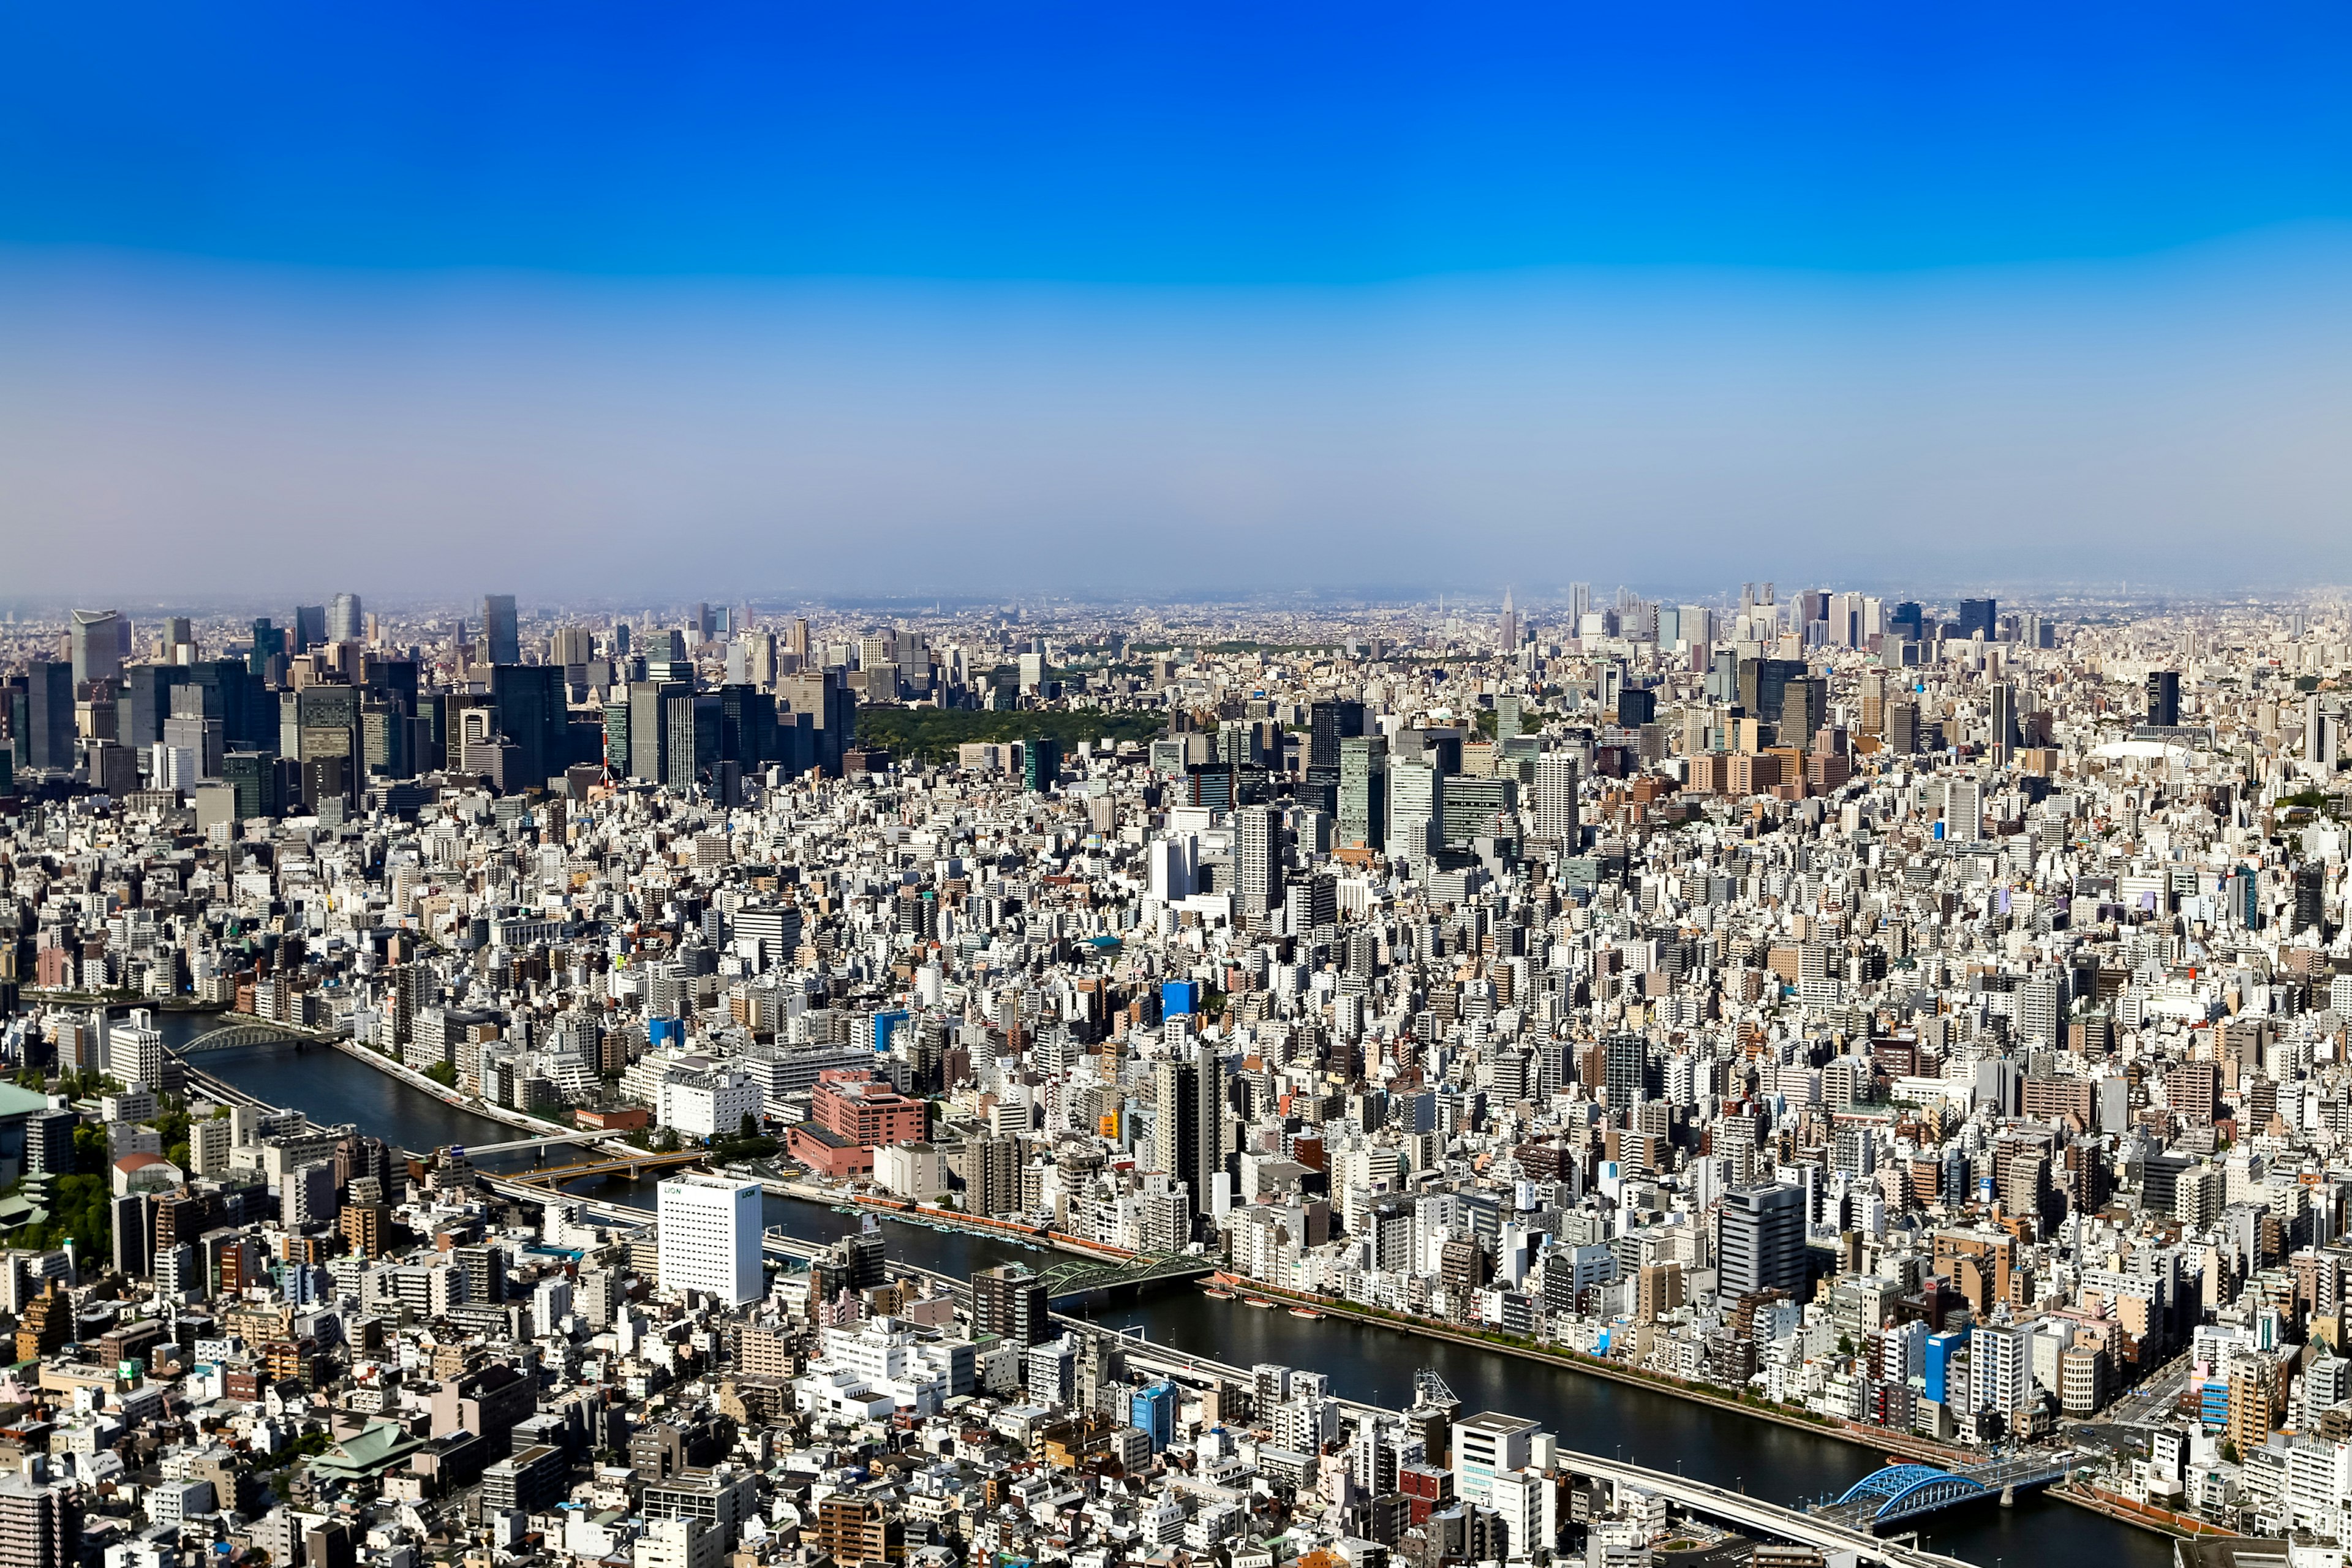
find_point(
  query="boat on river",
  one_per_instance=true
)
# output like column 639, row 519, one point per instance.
column 1256, row 1302
column 1305, row 1312
column 1215, row 1293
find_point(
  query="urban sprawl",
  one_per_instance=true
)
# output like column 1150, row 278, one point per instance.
column 1921, row 1023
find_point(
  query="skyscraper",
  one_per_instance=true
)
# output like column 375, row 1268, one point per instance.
column 2164, row 697
column 1978, row 615
column 2002, row 722
column 1188, row 1126
column 49, row 714
column 710, row 1237
column 1328, row 724
column 97, row 640
column 1506, row 628
column 1416, row 810
column 1363, row 791
column 1257, row 861
column 1556, row 774
column 529, row 703
column 501, row 638
column 345, row 619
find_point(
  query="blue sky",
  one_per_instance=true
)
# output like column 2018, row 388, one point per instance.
column 1059, row 288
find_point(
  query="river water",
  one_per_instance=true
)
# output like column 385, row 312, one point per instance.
column 1375, row 1364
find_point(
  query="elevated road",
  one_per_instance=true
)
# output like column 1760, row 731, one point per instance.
column 1754, row 1516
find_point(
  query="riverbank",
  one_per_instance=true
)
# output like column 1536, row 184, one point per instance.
column 451, row 1098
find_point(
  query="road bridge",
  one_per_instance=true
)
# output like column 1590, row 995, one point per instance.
column 633, row 1165
column 243, row 1029
column 1901, row 1493
column 1754, row 1516
column 551, row 1139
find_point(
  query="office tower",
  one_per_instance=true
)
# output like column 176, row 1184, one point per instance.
column 570, row 645
column 831, row 709
column 1328, row 724
column 1510, row 718
column 501, row 636
column 269, row 644
column 1555, row 803
column 49, row 715
column 1626, row 1064
column 1363, row 791
column 1506, row 629
column 1761, row 1241
column 796, row 642
column 1040, row 764
column 96, row 641
column 1257, row 861
column 1874, row 701
column 1963, row 811
column 1637, row 706
column 1764, row 686
column 1010, row 1302
column 2164, row 697
column 747, row 725
column 1579, row 601
column 529, row 702
column 1909, row 623
column 310, row 628
column 1188, row 1126
column 649, row 728
column 346, row 622
column 1903, row 727
column 1804, row 708
column 1416, row 810
column 710, row 1237
column 1978, row 616
column 2001, row 722
column 693, row 724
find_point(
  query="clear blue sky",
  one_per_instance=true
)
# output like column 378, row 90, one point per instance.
column 264, row 202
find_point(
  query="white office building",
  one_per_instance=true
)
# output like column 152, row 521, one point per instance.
column 710, row 1237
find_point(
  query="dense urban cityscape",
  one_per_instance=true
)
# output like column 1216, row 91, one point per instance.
column 1907, row 1024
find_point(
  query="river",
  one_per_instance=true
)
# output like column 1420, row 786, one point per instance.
column 1375, row 1364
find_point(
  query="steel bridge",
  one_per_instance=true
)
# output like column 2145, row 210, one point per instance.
column 260, row 1032
column 1085, row 1275
column 1901, row 1492
column 631, row 1165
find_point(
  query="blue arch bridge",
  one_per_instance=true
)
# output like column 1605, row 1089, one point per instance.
column 1900, row 1493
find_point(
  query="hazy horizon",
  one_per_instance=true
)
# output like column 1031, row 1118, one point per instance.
column 825, row 305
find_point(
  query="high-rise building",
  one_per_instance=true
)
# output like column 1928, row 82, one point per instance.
column 1416, row 810
column 501, row 634
column 49, row 714
column 1761, row 1241
column 1555, row 800
column 1328, row 724
column 648, row 731
column 97, row 640
column 1363, row 791
column 1979, row 616
column 2001, row 722
column 2164, row 697
column 1257, row 861
column 710, row 1237
column 40, row 1520
column 310, row 627
column 1506, row 628
column 1627, row 1066
column 529, row 699
column 1188, row 1126
column 346, row 621
column 1010, row 1302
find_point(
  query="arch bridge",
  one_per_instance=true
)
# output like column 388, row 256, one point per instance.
column 229, row 1036
column 1903, row 1491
